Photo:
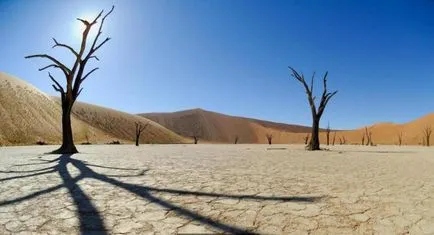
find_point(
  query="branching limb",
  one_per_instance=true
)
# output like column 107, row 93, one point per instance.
column 57, row 44
column 65, row 69
column 56, row 85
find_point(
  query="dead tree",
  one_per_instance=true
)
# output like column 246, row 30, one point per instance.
column 316, row 113
column 427, row 134
column 269, row 138
column 400, row 138
column 236, row 139
column 306, row 139
column 139, row 130
column 328, row 134
column 369, row 137
column 195, row 138
column 342, row 140
column 363, row 138
column 74, row 76
column 334, row 139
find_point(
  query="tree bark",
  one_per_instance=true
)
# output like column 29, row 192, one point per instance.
column 314, row 139
column 67, row 137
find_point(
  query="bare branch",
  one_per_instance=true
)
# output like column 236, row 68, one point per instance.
column 58, row 87
column 51, row 65
column 85, row 76
column 57, row 44
column 311, row 82
column 65, row 69
column 94, row 48
column 79, row 92
column 94, row 57
column 85, row 22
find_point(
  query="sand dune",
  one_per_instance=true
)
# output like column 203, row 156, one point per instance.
column 28, row 115
column 221, row 128
column 216, row 127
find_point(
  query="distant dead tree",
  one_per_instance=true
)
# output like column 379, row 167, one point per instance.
column 369, row 137
column 236, row 139
column 400, row 138
column 316, row 113
column 306, row 139
column 342, row 140
column 139, row 130
column 328, row 134
column 334, row 139
column 74, row 76
column 195, row 138
column 269, row 138
column 427, row 134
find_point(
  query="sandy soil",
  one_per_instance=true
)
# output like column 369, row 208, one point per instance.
column 170, row 189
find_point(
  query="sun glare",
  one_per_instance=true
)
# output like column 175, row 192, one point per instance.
column 79, row 27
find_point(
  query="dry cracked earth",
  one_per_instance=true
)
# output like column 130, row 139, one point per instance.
column 176, row 189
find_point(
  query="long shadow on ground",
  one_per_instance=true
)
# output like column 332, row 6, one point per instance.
column 90, row 218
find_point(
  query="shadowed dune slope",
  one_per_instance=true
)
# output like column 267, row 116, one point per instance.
column 28, row 115
column 216, row 127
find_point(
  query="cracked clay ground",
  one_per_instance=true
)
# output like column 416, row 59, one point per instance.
column 171, row 189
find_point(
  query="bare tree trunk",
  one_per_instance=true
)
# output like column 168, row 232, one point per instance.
column 314, row 139
column 328, row 134
column 68, row 139
column 196, row 139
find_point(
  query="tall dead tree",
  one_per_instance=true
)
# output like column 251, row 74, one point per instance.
column 400, row 138
column 236, row 139
column 139, row 130
column 74, row 76
column 363, row 138
column 316, row 113
column 328, row 134
column 269, row 138
column 427, row 134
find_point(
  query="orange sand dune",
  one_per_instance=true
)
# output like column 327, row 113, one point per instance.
column 221, row 128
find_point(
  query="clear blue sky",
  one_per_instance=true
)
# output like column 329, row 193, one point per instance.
column 231, row 56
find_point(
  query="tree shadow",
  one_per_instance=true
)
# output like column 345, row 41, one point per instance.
column 90, row 218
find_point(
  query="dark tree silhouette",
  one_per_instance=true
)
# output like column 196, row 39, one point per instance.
column 363, row 138
column 306, row 139
column 316, row 113
column 427, row 134
column 139, row 130
column 269, row 138
column 195, row 138
column 236, row 139
column 328, row 134
column 74, row 76
column 400, row 138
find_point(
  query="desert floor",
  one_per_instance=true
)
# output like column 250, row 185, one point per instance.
column 217, row 188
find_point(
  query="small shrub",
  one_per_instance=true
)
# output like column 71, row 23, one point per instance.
column 114, row 142
column 86, row 143
column 41, row 142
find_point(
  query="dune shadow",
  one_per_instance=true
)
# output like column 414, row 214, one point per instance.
column 91, row 220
